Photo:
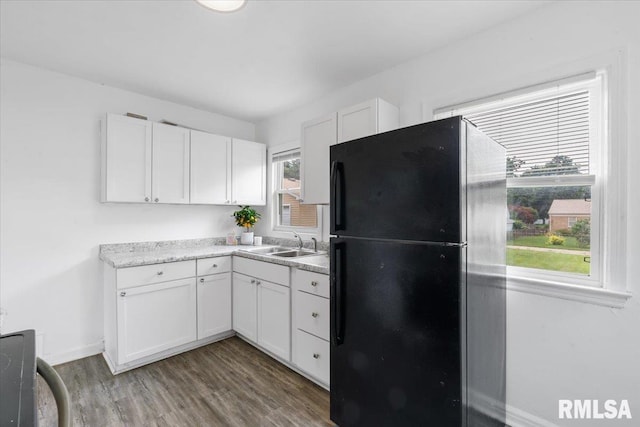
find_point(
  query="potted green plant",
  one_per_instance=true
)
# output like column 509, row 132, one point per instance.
column 246, row 217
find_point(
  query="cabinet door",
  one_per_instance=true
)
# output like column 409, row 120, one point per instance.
column 358, row 121
column 317, row 136
column 248, row 173
column 214, row 305
column 210, row 176
column 274, row 318
column 170, row 172
column 245, row 306
column 156, row 317
column 126, row 160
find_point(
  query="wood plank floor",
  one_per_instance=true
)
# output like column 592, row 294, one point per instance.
column 228, row 383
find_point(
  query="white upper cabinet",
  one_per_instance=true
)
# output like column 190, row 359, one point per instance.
column 248, row 173
column 210, row 171
column 368, row 118
column 317, row 136
column 170, row 167
column 358, row 121
column 126, row 159
column 148, row 162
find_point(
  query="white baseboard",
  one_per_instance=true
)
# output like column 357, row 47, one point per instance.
column 518, row 418
column 75, row 354
column 515, row 417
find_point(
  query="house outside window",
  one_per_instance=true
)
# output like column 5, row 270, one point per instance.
column 555, row 139
column 288, row 213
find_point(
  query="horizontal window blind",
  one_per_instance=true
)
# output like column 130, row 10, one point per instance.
column 285, row 156
column 548, row 136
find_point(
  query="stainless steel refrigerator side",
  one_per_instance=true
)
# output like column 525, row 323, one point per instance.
column 486, row 283
column 463, row 277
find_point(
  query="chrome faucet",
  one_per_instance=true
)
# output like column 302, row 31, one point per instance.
column 315, row 244
column 299, row 238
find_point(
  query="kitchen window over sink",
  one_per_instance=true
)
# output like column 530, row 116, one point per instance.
column 561, row 212
column 288, row 213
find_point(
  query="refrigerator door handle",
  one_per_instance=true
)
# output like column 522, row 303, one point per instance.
column 336, row 201
column 337, row 292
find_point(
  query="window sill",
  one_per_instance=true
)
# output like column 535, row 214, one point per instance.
column 586, row 294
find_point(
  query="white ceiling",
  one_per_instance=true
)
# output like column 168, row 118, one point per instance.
column 269, row 57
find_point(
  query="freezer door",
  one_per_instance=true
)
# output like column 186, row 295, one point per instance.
column 396, row 349
column 404, row 184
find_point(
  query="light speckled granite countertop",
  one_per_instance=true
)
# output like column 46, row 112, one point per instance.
column 122, row 255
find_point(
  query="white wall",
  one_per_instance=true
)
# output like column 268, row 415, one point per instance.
column 557, row 349
column 51, row 218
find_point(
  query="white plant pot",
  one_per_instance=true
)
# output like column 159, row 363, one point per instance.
column 246, row 238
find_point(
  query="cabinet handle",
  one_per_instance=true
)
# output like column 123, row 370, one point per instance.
column 235, row 201
column 146, row 199
column 202, row 280
column 314, row 283
column 258, row 282
column 253, row 281
column 157, row 200
column 123, row 294
column 160, row 273
column 215, row 266
column 314, row 314
column 227, row 201
column 316, row 356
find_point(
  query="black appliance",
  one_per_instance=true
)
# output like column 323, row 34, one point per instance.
column 418, row 278
column 18, row 379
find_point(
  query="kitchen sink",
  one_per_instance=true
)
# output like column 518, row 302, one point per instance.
column 295, row 253
column 268, row 251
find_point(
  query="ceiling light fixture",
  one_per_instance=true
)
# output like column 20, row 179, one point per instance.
column 222, row 5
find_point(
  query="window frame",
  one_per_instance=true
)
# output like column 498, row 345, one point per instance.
column 607, row 284
column 285, row 231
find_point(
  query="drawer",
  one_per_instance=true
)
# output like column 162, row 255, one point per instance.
column 154, row 273
column 312, row 314
column 215, row 265
column 314, row 283
column 262, row 270
column 312, row 355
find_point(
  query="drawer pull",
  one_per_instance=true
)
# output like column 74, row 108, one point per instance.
column 215, row 266
column 258, row 282
column 123, row 294
column 253, row 281
column 160, row 273
column 314, row 283
column 314, row 314
column 202, row 280
column 316, row 356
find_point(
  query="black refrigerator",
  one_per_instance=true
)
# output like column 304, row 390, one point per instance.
column 418, row 278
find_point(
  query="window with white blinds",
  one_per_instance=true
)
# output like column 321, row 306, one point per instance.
column 553, row 137
column 548, row 130
column 289, row 213
column 549, row 136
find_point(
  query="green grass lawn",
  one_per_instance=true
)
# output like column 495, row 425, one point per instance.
column 541, row 242
column 547, row 261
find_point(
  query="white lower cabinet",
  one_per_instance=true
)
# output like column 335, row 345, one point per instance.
column 262, row 313
column 312, row 355
column 155, row 317
column 154, row 311
column 262, row 305
column 311, row 324
column 245, row 306
column 274, row 318
column 214, row 305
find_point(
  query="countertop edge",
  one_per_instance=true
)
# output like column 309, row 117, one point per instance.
column 149, row 258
